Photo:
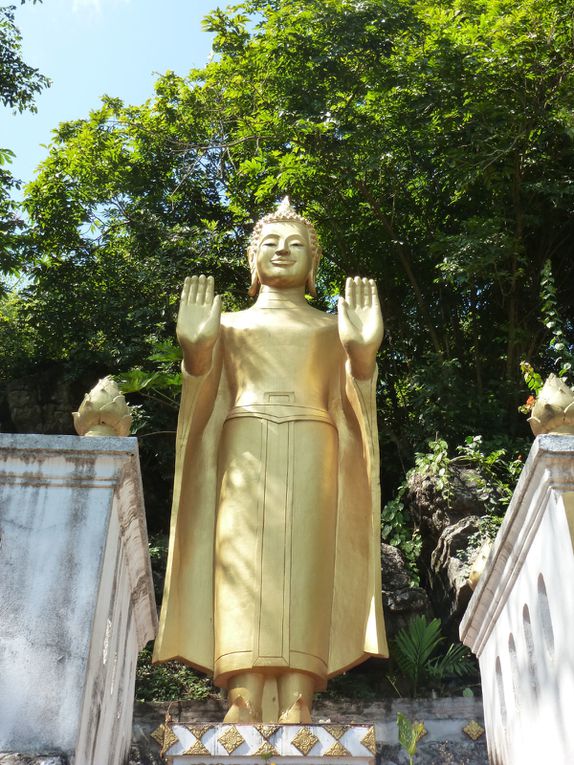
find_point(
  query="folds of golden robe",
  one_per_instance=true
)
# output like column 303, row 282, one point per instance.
column 274, row 558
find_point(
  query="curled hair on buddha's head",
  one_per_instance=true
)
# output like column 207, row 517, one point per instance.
column 283, row 214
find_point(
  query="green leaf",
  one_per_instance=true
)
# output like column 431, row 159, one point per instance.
column 410, row 733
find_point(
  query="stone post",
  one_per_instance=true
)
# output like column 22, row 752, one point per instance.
column 520, row 620
column 76, row 595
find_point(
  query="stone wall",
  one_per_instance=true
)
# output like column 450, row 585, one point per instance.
column 43, row 402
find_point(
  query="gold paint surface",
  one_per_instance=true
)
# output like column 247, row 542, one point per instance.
column 335, row 730
column 337, row 750
column 231, row 739
column 474, row 730
column 158, row 734
column 274, row 564
column 197, row 748
column 369, row 741
column 169, row 739
column 267, row 730
column 266, row 750
column 305, row 740
column 199, row 730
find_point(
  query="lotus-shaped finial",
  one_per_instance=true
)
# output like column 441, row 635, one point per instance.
column 103, row 412
column 553, row 411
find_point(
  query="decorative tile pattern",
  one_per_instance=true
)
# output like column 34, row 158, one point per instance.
column 231, row 739
column 474, row 730
column 335, row 730
column 267, row 729
column 369, row 741
column 266, row 743
column 169, row 739
column 199, row 730
column 266, row 750
column 197, row 748
column 305, row 740
column 337, row 750
column 157, row 734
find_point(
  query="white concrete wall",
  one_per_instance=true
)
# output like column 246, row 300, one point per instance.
column 520, row 620
column 76, row 595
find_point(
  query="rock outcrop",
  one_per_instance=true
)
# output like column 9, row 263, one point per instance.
column 401, row 602
column 42, row 403
column 446, row 526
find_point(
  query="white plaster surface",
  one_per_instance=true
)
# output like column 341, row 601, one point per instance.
column 76, row 594
column 520, row 620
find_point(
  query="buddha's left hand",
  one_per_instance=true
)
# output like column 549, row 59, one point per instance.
column 361, row 325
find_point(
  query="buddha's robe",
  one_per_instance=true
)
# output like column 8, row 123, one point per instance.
column 274, row 558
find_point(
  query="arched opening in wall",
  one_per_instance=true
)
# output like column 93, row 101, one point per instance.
column 545, row 617
column 515, row 671
column 529, row 641
column 500, row 690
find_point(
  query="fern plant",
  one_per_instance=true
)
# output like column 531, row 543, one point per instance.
column 416, row 652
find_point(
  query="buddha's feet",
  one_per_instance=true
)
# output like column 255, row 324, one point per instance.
column 298, row 712
column 241, row 711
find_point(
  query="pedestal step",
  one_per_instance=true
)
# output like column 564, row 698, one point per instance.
column 250, row 744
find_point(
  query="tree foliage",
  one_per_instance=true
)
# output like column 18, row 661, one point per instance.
column 19, row 82
column 432, row 143
column 19, row 85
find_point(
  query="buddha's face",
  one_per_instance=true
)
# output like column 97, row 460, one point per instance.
column 284, row 255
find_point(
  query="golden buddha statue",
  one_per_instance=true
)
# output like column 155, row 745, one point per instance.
column 273, row 579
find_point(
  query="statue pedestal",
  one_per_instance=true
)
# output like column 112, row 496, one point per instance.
column 260, row 743
column 520, row 620
column 76, row 595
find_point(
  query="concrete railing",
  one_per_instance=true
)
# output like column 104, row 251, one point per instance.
column 76, row 595
column 520, row 620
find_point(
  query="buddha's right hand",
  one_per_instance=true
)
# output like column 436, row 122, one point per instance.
column 198, row 323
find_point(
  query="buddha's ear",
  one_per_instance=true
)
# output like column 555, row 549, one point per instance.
column 310, row 284
column 255, row 283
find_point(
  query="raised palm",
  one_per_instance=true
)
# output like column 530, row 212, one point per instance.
column 360, row 319
column 198, row 321
column 361, row 323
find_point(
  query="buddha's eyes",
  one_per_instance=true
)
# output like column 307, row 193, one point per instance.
column 274, row 244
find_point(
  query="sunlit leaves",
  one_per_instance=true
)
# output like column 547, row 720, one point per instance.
column 19, row 85
column 19, row 82
column 431, row 142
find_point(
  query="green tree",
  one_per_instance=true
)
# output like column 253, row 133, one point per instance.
column 19, row 85
column 117, row 219
column 19, row 82
column 431, row 142
column 121, row 211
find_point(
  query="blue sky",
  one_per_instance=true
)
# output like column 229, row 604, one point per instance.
column 93, row 47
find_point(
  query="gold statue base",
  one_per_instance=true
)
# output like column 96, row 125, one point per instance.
column 260, row 743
